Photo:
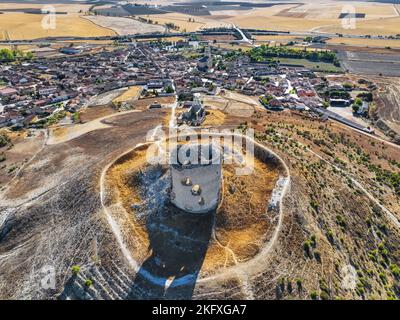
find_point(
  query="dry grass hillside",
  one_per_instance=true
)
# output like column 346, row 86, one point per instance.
column 338, row 236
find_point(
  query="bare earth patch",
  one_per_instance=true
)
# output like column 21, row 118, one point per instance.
column 18, row 26
column 125, row 26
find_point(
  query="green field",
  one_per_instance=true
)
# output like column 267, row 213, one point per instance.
column 312, row 65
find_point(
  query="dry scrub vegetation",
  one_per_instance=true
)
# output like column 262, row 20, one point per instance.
column 331, row 226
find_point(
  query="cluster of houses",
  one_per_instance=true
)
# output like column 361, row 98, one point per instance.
column 39, row 88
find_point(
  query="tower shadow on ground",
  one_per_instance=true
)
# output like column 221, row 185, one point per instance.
column 178, row 245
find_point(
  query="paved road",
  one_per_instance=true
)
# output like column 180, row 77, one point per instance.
column 355, row 126
column 184, row 34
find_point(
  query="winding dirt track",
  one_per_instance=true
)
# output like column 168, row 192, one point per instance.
column 389, row 214
column 78, row 130
column 241, row 270
column 389, row 112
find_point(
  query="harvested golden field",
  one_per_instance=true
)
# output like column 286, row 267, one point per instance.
column 182, row 21
column 333, row 10
column 29, row 26
column 70, row 7
column 380, row 18
column 387, row 26
column 233, row 46
column 214, row 118
column 99, row 42
column 376, row 10
column 143, row 104
column 20, row 47
column 172, row 39
column 261, row 39
column 275, row 38
column 366, row 42
column 131, row 93
column 266, row 12
column 258, row 21
column 125, row 26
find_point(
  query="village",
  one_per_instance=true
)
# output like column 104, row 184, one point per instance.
column 42, row 91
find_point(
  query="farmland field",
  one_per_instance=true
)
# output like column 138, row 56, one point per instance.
column 16, row 26
column 131, row 93
column 182, row 21
column 369, row 63
column 380, row 18
column 366, row 42
column 125, row 26
column 316, row 66
column 388, row 26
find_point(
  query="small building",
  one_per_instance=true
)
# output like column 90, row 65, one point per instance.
column 155, row 105
column 204, row 64
column 8, row 92
column 273, row 104
column 155, row 84
column 195, row 115
column 363, row 109
column 182, row 44
column 300, row 107
column 47, row 90
column 70, row 50
column 339, row 102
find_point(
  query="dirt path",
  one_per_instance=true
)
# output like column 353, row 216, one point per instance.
column 18, row 172
column 389, row 214
column 396, row 8
column 389, row 106
column 241, row 270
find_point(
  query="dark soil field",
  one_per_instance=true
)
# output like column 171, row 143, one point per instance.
column 370, row 63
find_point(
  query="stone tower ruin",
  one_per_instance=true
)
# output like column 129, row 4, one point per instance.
column 196, row 175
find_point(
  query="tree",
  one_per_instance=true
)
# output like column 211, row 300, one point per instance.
column 308, row 39
column 314, row 295
column 347, row 86
column 169, row 90
column 7, row 55
column 358, row 102
column 88, row 283
column 366, row 96
column 4, row 140
column 75, row 270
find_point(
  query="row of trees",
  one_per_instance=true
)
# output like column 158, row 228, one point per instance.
column 263, row 53
column 172, row 26
column 7, row 55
